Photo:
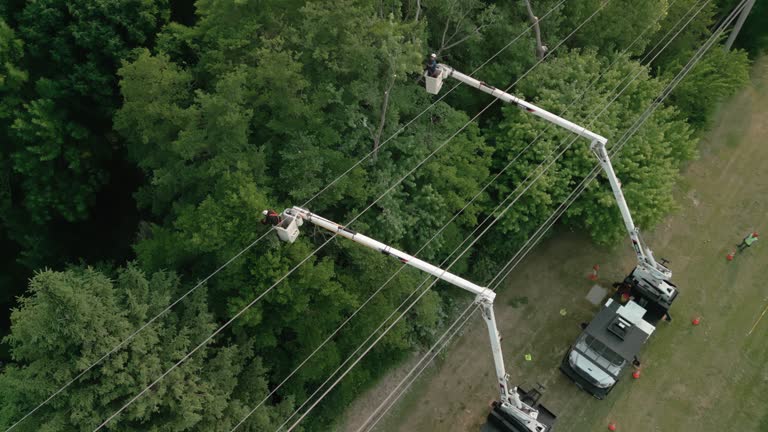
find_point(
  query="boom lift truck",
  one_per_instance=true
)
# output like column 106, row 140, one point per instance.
column 517, row 410
column 617, row 332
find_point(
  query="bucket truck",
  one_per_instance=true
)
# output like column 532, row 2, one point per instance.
column 517, row 410
column 618, row 331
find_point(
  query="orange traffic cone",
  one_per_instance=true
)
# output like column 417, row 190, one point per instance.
column 593, row 275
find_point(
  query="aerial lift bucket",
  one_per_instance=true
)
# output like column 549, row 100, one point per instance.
column 434, row 83
column 288, row 228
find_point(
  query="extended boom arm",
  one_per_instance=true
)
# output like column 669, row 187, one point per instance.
column 650, row 274
column 288, row 230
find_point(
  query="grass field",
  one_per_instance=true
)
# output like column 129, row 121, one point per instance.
column 711, row 377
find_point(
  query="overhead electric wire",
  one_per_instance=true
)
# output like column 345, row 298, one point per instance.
column 225, row 325
column 416, row 254
column 262, row 295
column 440, row 98
column 465, row 250
column 252, row 244
column 348, row 319
column 579, row 97
column 136, row 332
column 528, row 246
column 421, row 295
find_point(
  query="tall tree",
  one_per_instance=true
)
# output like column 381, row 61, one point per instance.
column 259, row 117
column 648, row 166
column 60, row 146
column 617, row 25
column 720, row 73
column 70, row 319
column 693, row 20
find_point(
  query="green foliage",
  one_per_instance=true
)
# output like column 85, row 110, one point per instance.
column 260, row 104
column 70, row 319
column 12, row 76
column 693, row 21
column 453, row 22
column 253, row 120
column 718, row 75
column 615, row 27
column 648, row 165
column 55, row 118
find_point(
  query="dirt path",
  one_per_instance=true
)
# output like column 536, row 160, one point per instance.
column 706, row 378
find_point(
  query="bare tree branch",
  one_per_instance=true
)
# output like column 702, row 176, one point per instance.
column 447, row 42
column 445, row 31
column 383, row 118
column 541, row 50
column 475, row 31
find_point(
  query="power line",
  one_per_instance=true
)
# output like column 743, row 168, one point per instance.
column 426, row 290
column 249, row 305
column 262, row 295
column 539, row 233
column 517, row 196
column 438, row 342
column 137, row 331
column 251, row 245
column 424, row 246
column 328, row 338
column 364, row 158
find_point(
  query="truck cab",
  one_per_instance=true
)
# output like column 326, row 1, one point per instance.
column 607, row 345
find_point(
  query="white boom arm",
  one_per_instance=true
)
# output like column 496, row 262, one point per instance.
column 287, row 230
column 655, row 275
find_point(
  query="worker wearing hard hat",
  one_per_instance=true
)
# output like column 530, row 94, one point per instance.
column 271, row 217
column 432, row 65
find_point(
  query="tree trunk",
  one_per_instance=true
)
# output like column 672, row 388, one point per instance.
column 382, row 119
column 541, row 50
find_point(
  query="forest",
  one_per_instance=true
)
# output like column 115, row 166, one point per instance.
column 143, row 138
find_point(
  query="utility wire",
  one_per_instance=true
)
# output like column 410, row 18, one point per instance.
column 136, row 332
column 583, row 93
column 422, row 248
column 539, row 234
column 268, row 290
column 425, row 291
column 348, row 319
column 364, row 158
column 251, row 245
column 460, row 246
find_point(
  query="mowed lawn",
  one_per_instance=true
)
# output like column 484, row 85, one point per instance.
column 710, row 377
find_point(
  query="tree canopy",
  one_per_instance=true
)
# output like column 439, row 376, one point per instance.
column 145, row 137
column 69, row 319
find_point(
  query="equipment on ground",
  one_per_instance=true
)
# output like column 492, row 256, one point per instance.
column 517, row 410
column 609, row 344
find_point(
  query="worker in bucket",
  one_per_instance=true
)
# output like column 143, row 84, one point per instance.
column 271, row 217
column 432, row 65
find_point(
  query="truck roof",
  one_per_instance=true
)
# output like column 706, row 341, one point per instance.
column 621, row 328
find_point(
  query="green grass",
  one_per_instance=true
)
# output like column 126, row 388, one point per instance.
column 518, row 301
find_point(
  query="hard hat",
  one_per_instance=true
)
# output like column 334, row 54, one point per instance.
column 754, row 233
column 264, row 212
column 433, row 55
